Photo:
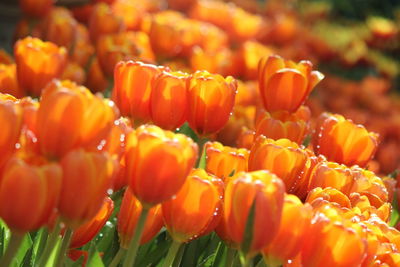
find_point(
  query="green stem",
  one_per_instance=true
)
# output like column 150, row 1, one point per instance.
column 246, row 261
column 64, row 246
column 50, row 244
column 178, row 257
column 134, row 245
column 12, row 248
column 117, row 258
column 201, row 161
column 171, row 254
column 230, row 257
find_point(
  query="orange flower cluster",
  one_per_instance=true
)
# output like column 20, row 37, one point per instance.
column 300, row 190
column 148, row 92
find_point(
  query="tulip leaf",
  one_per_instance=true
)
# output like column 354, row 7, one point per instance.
column 39, row 243
column 160, row 246
column 218, row 255
column 51, row 262
column 249, row 229
column 394, row 217
column 27, row 261
column 23, row 250
column 94, row 259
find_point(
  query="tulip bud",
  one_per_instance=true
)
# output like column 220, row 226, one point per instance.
column 29, row 194
column 296, row 219
column 263, row 193
column 210, row 100
column 86, row 232
column 128, row 218
column 168, row 100
column 343, row 141
column 174, row 154
column 38, row 63
column 69, row 117
column 86, row 178
column 281, row 157
column 285, row 85
column 132, row 89
column 190, row 213
column 225, row 161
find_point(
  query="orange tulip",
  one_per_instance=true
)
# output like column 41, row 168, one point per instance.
column 175, row 155
column 8, row 81
column 128, row 218
column 59, row 27
column 132, row 88
column 265, row 191
column 246, row 138
column 210, row 101
column 83, row 49
column 285, row 85
column 332, row 174
column 114, row 48
column 281, row 157
column 69, row 116
column 168, row 107
column 332, row 244
column 189, row 214
column 249, row 55
column 35, row 8
column 329, row 194
column 74, row 72
column 282, row 124
column 86, row 178
column 86, row 232
column 38, row 63
column 96, row 80
column 131, row 12
column 11, row 119
column 225, row 161
column 343, row 141
column 28, row 194
column 296, row 219
column 103, row 21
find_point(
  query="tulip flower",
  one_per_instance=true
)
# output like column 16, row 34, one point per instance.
column 29, row 194
column 86, row 178
column 343, row 141
column 8, row 81
column 11, row 119
column 132, row 89
column 210, row 100
column 69, row 117
column 96, row 80
column 189, row 214
column 285, row 85
column 38, row 63
column 329, row 194
column 296, row 219
column 262, row 192
column 128, row 218
column 86, row 232
column 103, row 21
column 331, row 243
column 74, row 72
column 168, row 100
column 281, row 157
column 113, row 48
column 59, row 27
column 225, row 161
column 331, row 174
column 175, row 155
column 35, row 8
column 282, row 124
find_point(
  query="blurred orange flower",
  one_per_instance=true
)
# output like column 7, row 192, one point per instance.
column 38, row 63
